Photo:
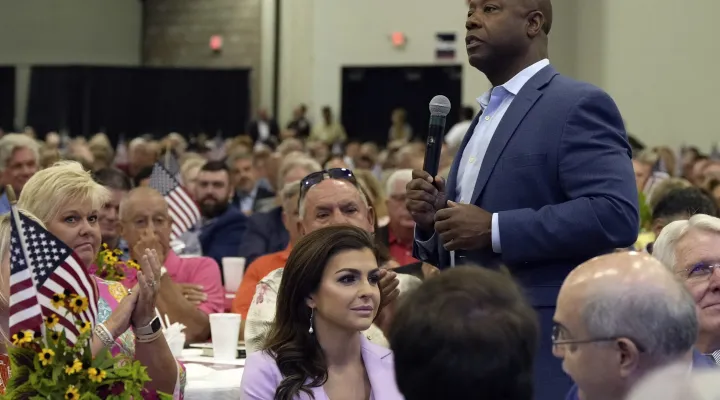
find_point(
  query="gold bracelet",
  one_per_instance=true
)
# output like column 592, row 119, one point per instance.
column 149, row 338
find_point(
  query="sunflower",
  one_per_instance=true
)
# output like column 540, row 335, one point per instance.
column 72, row 393
column 58, row 300
column 73, row 368
column 55, row 336
column 117, row 252
column 133, row 264
column 84, row 326
column 46, row 357
column 96, row 375
column 109, row 259
column 22, row 337
column 105, row 246
column 78, row 304
column 51, row 320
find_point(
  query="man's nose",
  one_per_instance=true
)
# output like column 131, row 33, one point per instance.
column 339, row 218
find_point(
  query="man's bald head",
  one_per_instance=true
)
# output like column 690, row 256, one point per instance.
column 144, row 217
column 542, row 6
column 142, row 194
column 632, row 295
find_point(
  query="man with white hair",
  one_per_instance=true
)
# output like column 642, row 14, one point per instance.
column 326, row 198
column 401, row 228
column 19, row 156
column 618, row 317
column 691, row 250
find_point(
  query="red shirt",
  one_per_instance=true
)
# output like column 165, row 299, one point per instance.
column 400, row 252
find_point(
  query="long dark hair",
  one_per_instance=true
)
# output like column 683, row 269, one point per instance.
column 296, row 351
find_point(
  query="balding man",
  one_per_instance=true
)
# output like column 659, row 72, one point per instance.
column 691, row 250
column 19, row 156
column 190, row 288
column 618, row 317
column 326, row 198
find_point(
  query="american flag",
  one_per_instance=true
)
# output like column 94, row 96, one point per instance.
column 183, row 210
column 42, row 266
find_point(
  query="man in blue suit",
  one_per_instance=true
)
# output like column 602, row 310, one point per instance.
column 543, row 179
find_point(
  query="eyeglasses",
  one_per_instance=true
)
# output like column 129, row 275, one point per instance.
column 316, row 177
column 557, row 332
column 699, row 272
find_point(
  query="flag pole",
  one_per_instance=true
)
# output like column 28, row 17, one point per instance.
column 12, row 199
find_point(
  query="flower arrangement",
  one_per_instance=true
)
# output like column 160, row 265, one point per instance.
column 109, row 266
column 49, row 367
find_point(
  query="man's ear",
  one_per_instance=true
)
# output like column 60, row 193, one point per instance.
column 301, row 228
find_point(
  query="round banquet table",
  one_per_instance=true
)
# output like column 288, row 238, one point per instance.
column 211, row 379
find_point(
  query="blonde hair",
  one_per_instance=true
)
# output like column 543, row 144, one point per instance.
column 374, row 190
column 65, row 182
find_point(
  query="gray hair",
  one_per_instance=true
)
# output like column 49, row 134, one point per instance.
column 664, row 246
column 290, row 190
column 402, row 175
column 363, row 196
column 297, row 161
column 661, row 319
column 13, row 141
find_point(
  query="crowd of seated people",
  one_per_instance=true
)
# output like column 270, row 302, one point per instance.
column 330, row 281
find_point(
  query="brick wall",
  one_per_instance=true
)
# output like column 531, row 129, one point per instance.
column 176, row 33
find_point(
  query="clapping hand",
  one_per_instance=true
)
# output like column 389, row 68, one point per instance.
column 119, row 320
column 388, row 287
column 148, row 287
column 148, row 240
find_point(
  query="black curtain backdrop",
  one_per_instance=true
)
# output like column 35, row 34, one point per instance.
column 136, row 101
column 7, row 98
column 370, row 94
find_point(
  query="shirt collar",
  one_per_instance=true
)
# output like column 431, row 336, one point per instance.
column 517, row 82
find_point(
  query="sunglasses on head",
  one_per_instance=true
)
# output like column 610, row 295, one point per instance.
column 333, row 173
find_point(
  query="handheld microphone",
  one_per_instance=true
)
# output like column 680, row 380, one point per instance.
column 439, row 109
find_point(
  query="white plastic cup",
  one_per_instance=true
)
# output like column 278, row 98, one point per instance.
column 233, row 271
column 225, row 331
column 177, row 344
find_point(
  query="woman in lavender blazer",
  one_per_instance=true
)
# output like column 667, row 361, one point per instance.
column 329, row 293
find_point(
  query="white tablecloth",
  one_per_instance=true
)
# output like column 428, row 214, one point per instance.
column 209, row 379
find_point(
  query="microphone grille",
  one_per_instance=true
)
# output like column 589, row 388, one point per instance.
column 440, row 105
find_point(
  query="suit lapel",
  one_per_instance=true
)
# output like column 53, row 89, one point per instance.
column 519, row 107
column 379, row 372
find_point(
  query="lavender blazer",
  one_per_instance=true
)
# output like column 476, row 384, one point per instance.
column 261, row 375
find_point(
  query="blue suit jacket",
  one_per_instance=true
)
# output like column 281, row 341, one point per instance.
column 221, row 237
column 265, row 234
column 558, row 172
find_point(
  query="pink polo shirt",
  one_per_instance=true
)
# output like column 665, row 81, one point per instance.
column 202, row 271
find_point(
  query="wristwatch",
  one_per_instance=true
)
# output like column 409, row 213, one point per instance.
column 153, row 327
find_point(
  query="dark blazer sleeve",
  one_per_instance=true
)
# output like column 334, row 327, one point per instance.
column 596, row 175
column 255, row 240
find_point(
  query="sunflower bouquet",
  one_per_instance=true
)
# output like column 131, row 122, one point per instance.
column 48, row 367
column 109, row 266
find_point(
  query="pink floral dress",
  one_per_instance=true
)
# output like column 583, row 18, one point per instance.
column 111, row 293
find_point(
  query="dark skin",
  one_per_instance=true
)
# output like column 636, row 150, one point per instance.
column 506, row 36
column 503, row 38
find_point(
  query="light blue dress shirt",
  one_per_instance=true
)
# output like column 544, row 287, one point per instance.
column 495, row 103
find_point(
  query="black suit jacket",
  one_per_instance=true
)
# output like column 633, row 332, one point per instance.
column 254, row 132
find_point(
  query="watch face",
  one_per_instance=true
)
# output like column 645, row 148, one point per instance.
column 155, row 325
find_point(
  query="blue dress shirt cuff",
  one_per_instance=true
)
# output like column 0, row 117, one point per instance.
column 495, row 231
